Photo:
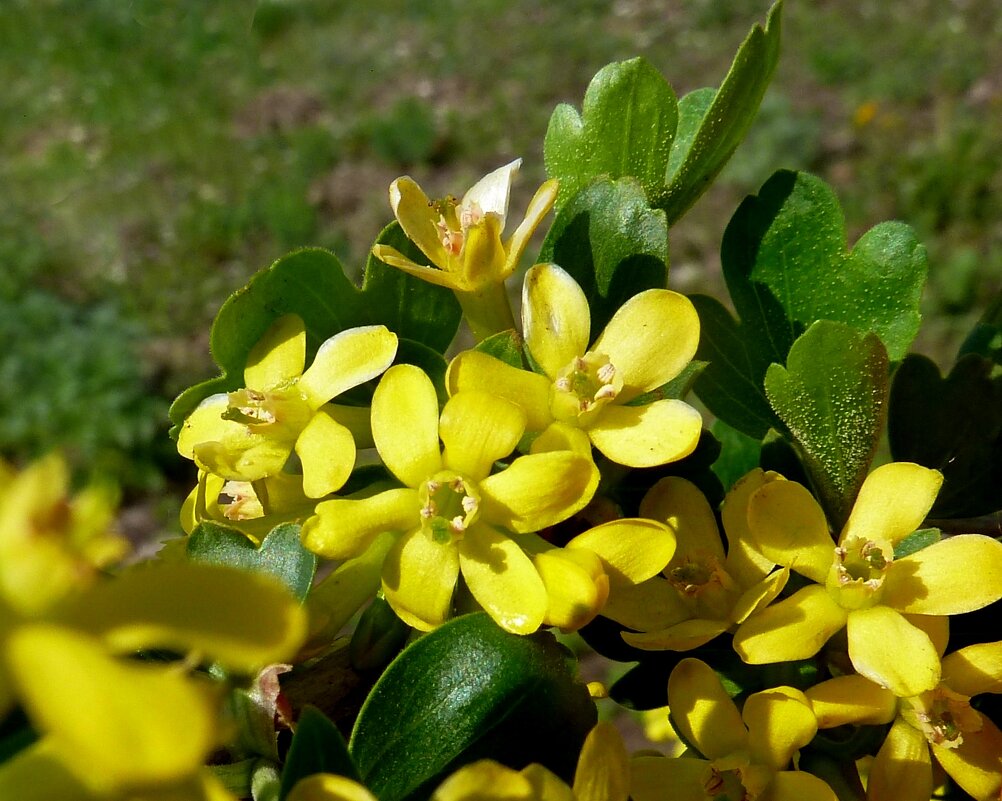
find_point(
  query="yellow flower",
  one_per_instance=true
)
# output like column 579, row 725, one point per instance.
column 702, row 593
column 455, row 516
column 940, row 723
column 250, row 434
column 860, row 584
column 745, row 754
column 648, row 342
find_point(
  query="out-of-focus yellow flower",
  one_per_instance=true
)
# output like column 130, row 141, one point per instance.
column 648, row 342
column 702, row 593
column 453, row 514
column 746, row 753
column 249, row 434
column 860, row 585
column 938, row 723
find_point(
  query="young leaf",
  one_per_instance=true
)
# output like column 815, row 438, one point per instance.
column 281, row 554
column 317, row 747
column 709, row 132
column 612, row 243
column 625, row 130
column 468, row 691
column 832, row 395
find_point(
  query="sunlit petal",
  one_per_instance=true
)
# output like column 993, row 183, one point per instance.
column 937, row 579
column 682, row 636
column 647, row 436
column 555, row 318
column 539, row 206
column 975, row 669
column 744, row 561
column 278, row 356
column 790, row 529
column 491, row 192
column 329, row 787
column 650, row 776
column 346, row 360
column 485, row 780
column 650, row 339
column 603, row 772
column 545, row 784
column 649, row 606
column 760, row 595
column 405, row 424
column 417, row 218
column 483, row 255
column 326, row 451
column 703, row 712
column 797, row 785
column 206, row 424
column 343, row 528
column 851, row 699
column 902, row 770
column 889, row 650
column 632, row 550
column 562, row 437
column 576, row 586
column 780, row 722
column 472, row 369
column 893, row 501
column 794, row 628
column 682, row 506
column 432, row 275
column 419, row 577
column 976, row 764
column 478, row 428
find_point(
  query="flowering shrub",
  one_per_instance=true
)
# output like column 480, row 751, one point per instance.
column 387, row 526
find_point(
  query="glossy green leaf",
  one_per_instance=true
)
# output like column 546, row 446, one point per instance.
column 317, row 747
column 312, row 284
column 281, row 554
column 506, row 346
column 702, row 148
column 832, row 396
column 952, row 424
column 625, row 129
column 916, row 541
column 467, row 691
column 612, row 243
column 378, row 636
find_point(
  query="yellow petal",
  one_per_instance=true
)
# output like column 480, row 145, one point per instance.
column 483, row 255
column 432, row 275
column 937, row 579
column 975, row 669
column 478, row 428
column 780, row 722
column 682, row 506
column 419, row 577
column 576, row 586
column 555, row 318
column 562, row 437
column 647, row 436
column 502, row 579
column 650, row 339
column 794, row 628
column 650, row 776
column 485, row 780
column 790, row 529
column 703, row 712
column 682, row 636
column 278, row 356
column 405, row 424
column 538, row 490
column 120, row 724
column 472, row 369
column 976, row 764
column 539, row 206
column 937, row 627
column 356, row 419
column 851, row 699
column 760, row 595
column 343, row 528
column 243, row 620
column 603, row 772
column 545, row 785
column 889, row 650
column 902, row 770
column 893, row 502
column 649, row 606
column 491, row 192
column 797, row 785
column 39, row 773
column 417, row 218
column 205, row 424
column 328, row 787
column 632, row 550
column 326, row 451
column 745, row 563
column 347, row 359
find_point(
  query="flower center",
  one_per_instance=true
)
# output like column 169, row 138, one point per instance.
column 239, row 501
column 454, row 221
column 275, row 409
column 449, row 504
column 858, row 569
column 734, row 778
column 943, row 716
column 583, row 387
column 705, row 587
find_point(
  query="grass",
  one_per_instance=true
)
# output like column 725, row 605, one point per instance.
column 156, row 155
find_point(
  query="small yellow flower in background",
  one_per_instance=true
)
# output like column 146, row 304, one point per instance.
column 249, row 434
column 745, row 754
column 455, row 517
column 649, row 341
column 859, row 583
column 702, row 593
column 940, row 723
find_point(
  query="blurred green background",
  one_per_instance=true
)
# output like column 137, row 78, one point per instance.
column 156, row 154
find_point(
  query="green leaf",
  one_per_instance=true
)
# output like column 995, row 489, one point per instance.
column 625, row 129
column 985, row 338
column 378, row 636
column 467, row 691
column 739, row 453
column 506, row 346
column 832, row 395
column 317, row 747
column 701, row 151
column 612, row 243
column 281, row 554
column 312, row 284
column 916, row 541
column 954, row 425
